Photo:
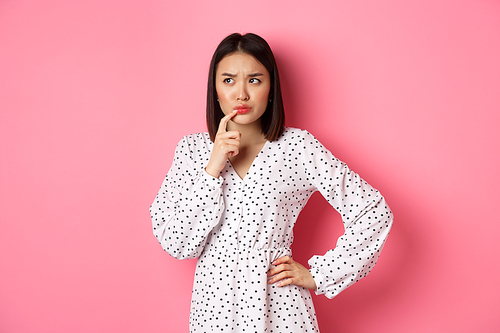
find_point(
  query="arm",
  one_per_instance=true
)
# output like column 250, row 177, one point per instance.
column 190, row 201
column 187, row 207
column 366, row 217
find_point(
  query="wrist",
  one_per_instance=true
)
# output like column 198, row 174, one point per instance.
column 211, row 172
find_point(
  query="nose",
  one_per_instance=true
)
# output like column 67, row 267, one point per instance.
column 242, row 93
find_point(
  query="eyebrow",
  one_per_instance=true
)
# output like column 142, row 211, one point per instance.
column 249, row 75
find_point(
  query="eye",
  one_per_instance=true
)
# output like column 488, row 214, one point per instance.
column 254, row 80
column 228, row 80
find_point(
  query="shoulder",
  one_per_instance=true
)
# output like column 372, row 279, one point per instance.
column 291, row 133
column 195, row 142
column 303, row 140
column 196, row 138
column 296, row 141
column 296, row 135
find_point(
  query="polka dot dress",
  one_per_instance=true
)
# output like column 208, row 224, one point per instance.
column 238, row 227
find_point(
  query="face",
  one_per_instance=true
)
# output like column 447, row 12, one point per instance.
column 242, row 84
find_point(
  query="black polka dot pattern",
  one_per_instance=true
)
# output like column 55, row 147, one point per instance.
column 237, row 227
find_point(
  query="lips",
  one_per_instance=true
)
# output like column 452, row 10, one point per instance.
column 243, row 108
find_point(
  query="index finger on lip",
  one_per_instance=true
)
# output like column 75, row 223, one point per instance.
column 223, row 121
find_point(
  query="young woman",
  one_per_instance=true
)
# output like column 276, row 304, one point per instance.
column 232, row 196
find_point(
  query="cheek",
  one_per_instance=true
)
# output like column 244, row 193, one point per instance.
column 263, row 96
column 223, row 100
column 222, row 94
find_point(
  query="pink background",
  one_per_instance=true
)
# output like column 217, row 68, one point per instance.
column 94, row 95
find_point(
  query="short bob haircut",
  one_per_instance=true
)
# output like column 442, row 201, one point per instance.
column 273, row 119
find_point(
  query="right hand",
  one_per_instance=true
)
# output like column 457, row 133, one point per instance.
column 226, row 144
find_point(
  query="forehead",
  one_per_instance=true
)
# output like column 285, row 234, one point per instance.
column 240, row 63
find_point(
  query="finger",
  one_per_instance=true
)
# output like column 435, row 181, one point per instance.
column 282, row 260
column 232, row 150
column 280, row 268
column 225, row 120
column 278, row 263
column 285, row 282
column 281, row 276
column 229, row 143
column 228, row 135
column 228, row 147
column 224, row 139
column 276, row 270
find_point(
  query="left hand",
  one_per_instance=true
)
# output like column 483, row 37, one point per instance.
column 288, row 271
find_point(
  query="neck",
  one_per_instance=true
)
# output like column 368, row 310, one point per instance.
column 250, row 133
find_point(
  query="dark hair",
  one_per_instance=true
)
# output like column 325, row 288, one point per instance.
column 273, row 119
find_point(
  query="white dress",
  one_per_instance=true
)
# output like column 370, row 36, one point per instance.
column 238, row 227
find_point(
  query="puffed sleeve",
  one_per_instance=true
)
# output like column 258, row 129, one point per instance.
column 187, row 207
column 366, row 217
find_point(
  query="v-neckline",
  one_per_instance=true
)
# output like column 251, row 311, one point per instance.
column 247, row 174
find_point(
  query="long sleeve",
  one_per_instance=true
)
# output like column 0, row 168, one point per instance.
column 188, row 205
column 366, row 217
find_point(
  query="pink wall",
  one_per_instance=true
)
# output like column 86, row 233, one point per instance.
column 94, row 95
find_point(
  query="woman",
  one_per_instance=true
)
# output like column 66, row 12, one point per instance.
column 232, row 196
